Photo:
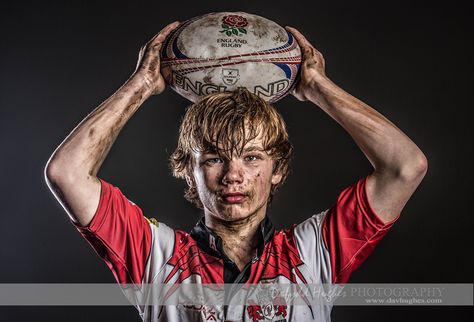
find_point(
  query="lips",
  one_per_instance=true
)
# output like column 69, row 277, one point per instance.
column 236, row 197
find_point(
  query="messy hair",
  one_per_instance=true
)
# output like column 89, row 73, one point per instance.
column 224, row 123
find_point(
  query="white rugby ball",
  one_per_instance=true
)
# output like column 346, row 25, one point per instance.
column 222, row 51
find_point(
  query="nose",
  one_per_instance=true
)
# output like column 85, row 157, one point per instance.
column 233, row 172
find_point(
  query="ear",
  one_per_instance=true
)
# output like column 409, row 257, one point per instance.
column 276, row 178
column 190, row 181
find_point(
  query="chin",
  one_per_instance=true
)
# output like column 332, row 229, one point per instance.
column 233, row 215
column 236, row 212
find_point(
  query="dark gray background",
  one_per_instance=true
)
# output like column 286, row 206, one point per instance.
column 412, row 62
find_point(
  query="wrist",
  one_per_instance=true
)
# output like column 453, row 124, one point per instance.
column 318, row 88
column 138, row 82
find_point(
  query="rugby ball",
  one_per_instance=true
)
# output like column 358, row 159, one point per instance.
column 222, row 51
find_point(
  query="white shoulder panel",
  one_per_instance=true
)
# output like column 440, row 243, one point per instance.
column 313, row 252
column 162, row 246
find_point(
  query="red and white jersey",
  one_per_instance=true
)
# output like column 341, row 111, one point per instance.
column 325, row 248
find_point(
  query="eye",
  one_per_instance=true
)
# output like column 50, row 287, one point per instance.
column 213, row 160
column 252, row 158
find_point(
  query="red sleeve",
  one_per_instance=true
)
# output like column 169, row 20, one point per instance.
column 120, row 235
column 351, row 230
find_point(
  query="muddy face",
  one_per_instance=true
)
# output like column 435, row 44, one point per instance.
column 237, row 188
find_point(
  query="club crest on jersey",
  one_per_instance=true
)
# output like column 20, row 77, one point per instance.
column 268, row 306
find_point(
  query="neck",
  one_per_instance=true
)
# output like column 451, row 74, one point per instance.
column 239, row 238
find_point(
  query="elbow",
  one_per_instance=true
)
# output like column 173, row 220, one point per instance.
column 52, row 173
column 57, row 173
column 60, row 173
column 415, row 169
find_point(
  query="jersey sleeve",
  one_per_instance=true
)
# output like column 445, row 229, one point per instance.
column 120, row 235
column 337, row 241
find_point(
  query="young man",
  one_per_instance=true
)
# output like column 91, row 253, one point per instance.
column 234, row 153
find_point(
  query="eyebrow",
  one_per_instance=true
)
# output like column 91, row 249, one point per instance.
column 248, row 149
column 254, row 148
column 209, row 151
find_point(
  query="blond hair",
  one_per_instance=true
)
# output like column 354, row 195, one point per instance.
column 225, row 123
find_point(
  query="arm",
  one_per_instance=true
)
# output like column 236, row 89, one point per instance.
column 399, row 165
column 71, row 172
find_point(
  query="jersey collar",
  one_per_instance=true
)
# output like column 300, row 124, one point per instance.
column 211, row 243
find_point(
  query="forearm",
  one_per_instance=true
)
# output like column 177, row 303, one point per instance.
column 399, row 165
column 71, row 172
column 85, row 148
column 388, row 149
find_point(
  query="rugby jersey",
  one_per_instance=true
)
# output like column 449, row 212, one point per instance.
column 324, row 249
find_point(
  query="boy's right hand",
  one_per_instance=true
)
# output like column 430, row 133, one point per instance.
column 148, row 65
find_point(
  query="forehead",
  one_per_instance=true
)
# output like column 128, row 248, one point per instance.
column 255, row 144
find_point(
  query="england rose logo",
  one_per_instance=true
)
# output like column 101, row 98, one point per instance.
column 234, row 25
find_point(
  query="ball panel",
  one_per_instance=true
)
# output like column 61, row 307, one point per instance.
column 207, row 38
column 268, row 79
